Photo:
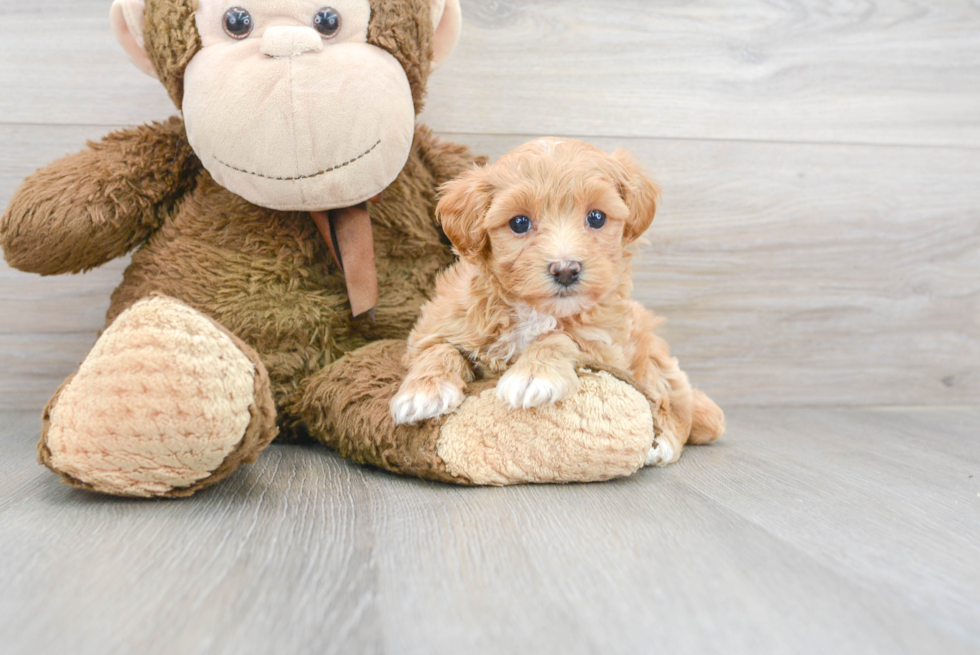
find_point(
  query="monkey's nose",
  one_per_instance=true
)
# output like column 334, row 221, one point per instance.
column 566, row 273
column 290, row 41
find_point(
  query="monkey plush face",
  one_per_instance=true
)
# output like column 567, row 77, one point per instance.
column 294, row 104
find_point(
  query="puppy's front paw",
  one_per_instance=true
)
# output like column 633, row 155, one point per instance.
column 660, row 455
column 421, row 401
column 520, row 389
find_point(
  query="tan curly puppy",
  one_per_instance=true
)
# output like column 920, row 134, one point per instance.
column 543, row 288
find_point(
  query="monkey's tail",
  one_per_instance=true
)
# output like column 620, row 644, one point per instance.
column 709, row 420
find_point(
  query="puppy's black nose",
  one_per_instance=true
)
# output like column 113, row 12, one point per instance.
column 566, row 273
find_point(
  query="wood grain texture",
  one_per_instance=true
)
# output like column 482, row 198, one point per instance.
column 60, row 64
column 880, row 71
column 804, row 531
column 789, row 274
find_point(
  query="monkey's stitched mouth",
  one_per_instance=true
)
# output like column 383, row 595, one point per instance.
column 302, row 177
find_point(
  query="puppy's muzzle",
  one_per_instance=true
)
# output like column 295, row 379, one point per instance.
column 566, row 274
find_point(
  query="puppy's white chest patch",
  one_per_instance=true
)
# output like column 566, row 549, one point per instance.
column 530, row 325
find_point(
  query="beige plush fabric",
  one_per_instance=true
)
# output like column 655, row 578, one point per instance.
column 272, row 126
column 447, row 17
column 162, row 400
column 607, row 428
column 126, row 18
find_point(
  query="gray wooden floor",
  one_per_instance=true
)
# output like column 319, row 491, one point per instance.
column 805, row 531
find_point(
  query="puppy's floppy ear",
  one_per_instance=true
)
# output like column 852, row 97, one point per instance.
column 640, row 193
column 462, row 212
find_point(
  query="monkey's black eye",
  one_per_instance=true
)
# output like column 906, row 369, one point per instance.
column 327, row 22
column 520, row 225
column 597, row 220
column 238, row 23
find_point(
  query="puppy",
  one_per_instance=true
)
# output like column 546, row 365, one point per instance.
column 542, row 288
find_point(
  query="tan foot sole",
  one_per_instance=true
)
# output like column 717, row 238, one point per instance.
column 602, row 432
column 166, row 401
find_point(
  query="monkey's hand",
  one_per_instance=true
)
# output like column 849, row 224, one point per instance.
column 98, row 204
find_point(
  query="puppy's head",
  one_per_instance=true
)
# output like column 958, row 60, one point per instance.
column 550, row 221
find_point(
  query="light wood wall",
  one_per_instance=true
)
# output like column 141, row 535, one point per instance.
column 819, row 242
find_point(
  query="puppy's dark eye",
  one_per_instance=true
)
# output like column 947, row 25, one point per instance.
column 520, row 225
column 327, row 22
column 597, row 220
column 238, row 23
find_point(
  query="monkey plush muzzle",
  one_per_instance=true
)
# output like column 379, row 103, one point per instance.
column 294, row 122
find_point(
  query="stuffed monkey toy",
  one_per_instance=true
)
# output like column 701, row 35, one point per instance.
column 285, row 239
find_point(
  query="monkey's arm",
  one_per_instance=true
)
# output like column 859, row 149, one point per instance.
column 98, row 204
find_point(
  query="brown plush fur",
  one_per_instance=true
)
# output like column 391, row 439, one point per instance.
column 265, row 276
column 351, row 398
column 172, row 41
column 404, row 29
column 501, row 309
column 269, row 277
column 99, row 204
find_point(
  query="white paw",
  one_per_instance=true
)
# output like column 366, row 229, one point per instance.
column 408, row 407
column 521, row 391
column 660, row 455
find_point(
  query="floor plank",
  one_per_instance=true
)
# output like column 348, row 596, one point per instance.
column 883, row 71
column 789, row 274
column 60, row 64
column 863, row 482
column 805, row 531
column 285, row 544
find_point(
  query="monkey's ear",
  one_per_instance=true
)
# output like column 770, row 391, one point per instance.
column 126, row 17
column 641, row 195
column 462, row 212
column 447, row 19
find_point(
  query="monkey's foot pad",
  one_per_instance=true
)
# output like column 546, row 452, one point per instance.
column 166, row 403
column 600, row 433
